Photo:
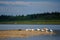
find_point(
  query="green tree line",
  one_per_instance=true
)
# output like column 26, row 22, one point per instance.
column 38, row 16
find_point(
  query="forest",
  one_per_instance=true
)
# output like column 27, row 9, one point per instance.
column 38, row 16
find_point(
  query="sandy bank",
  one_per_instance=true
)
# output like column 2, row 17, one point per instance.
column 23, row 33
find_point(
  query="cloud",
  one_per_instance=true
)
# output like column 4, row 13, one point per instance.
column 29, row 3
column 15, row 2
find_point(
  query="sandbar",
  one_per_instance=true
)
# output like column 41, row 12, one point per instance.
column 23, row 33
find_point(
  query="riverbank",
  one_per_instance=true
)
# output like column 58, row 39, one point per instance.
column 23, row 33
column 32, row 22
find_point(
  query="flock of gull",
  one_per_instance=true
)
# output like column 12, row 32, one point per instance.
column 38, row 29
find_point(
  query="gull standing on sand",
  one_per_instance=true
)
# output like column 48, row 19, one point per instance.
column 51, row 30
column 46, row 29
column 42, row 30
column 27, row 29
column 38, row 29
column 32, row 29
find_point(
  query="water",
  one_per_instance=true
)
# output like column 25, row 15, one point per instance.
column 39, row 37
column 21, row 26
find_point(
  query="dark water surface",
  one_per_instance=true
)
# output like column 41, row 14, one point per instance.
column 56, row 29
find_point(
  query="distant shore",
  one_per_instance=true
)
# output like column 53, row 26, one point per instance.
column 23, row 33
column 32, row 22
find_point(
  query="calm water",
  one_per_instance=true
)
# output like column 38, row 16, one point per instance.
column 40, row 37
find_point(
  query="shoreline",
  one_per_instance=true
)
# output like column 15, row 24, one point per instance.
column 30, row 24
column 54, row 22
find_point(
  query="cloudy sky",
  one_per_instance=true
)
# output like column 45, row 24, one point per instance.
column 24, row 7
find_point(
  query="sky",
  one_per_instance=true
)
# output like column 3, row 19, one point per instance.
column 24, row 7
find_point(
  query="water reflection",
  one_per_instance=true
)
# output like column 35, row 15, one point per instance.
column 40, row 37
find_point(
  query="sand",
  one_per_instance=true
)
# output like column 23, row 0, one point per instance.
column 23, row 33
